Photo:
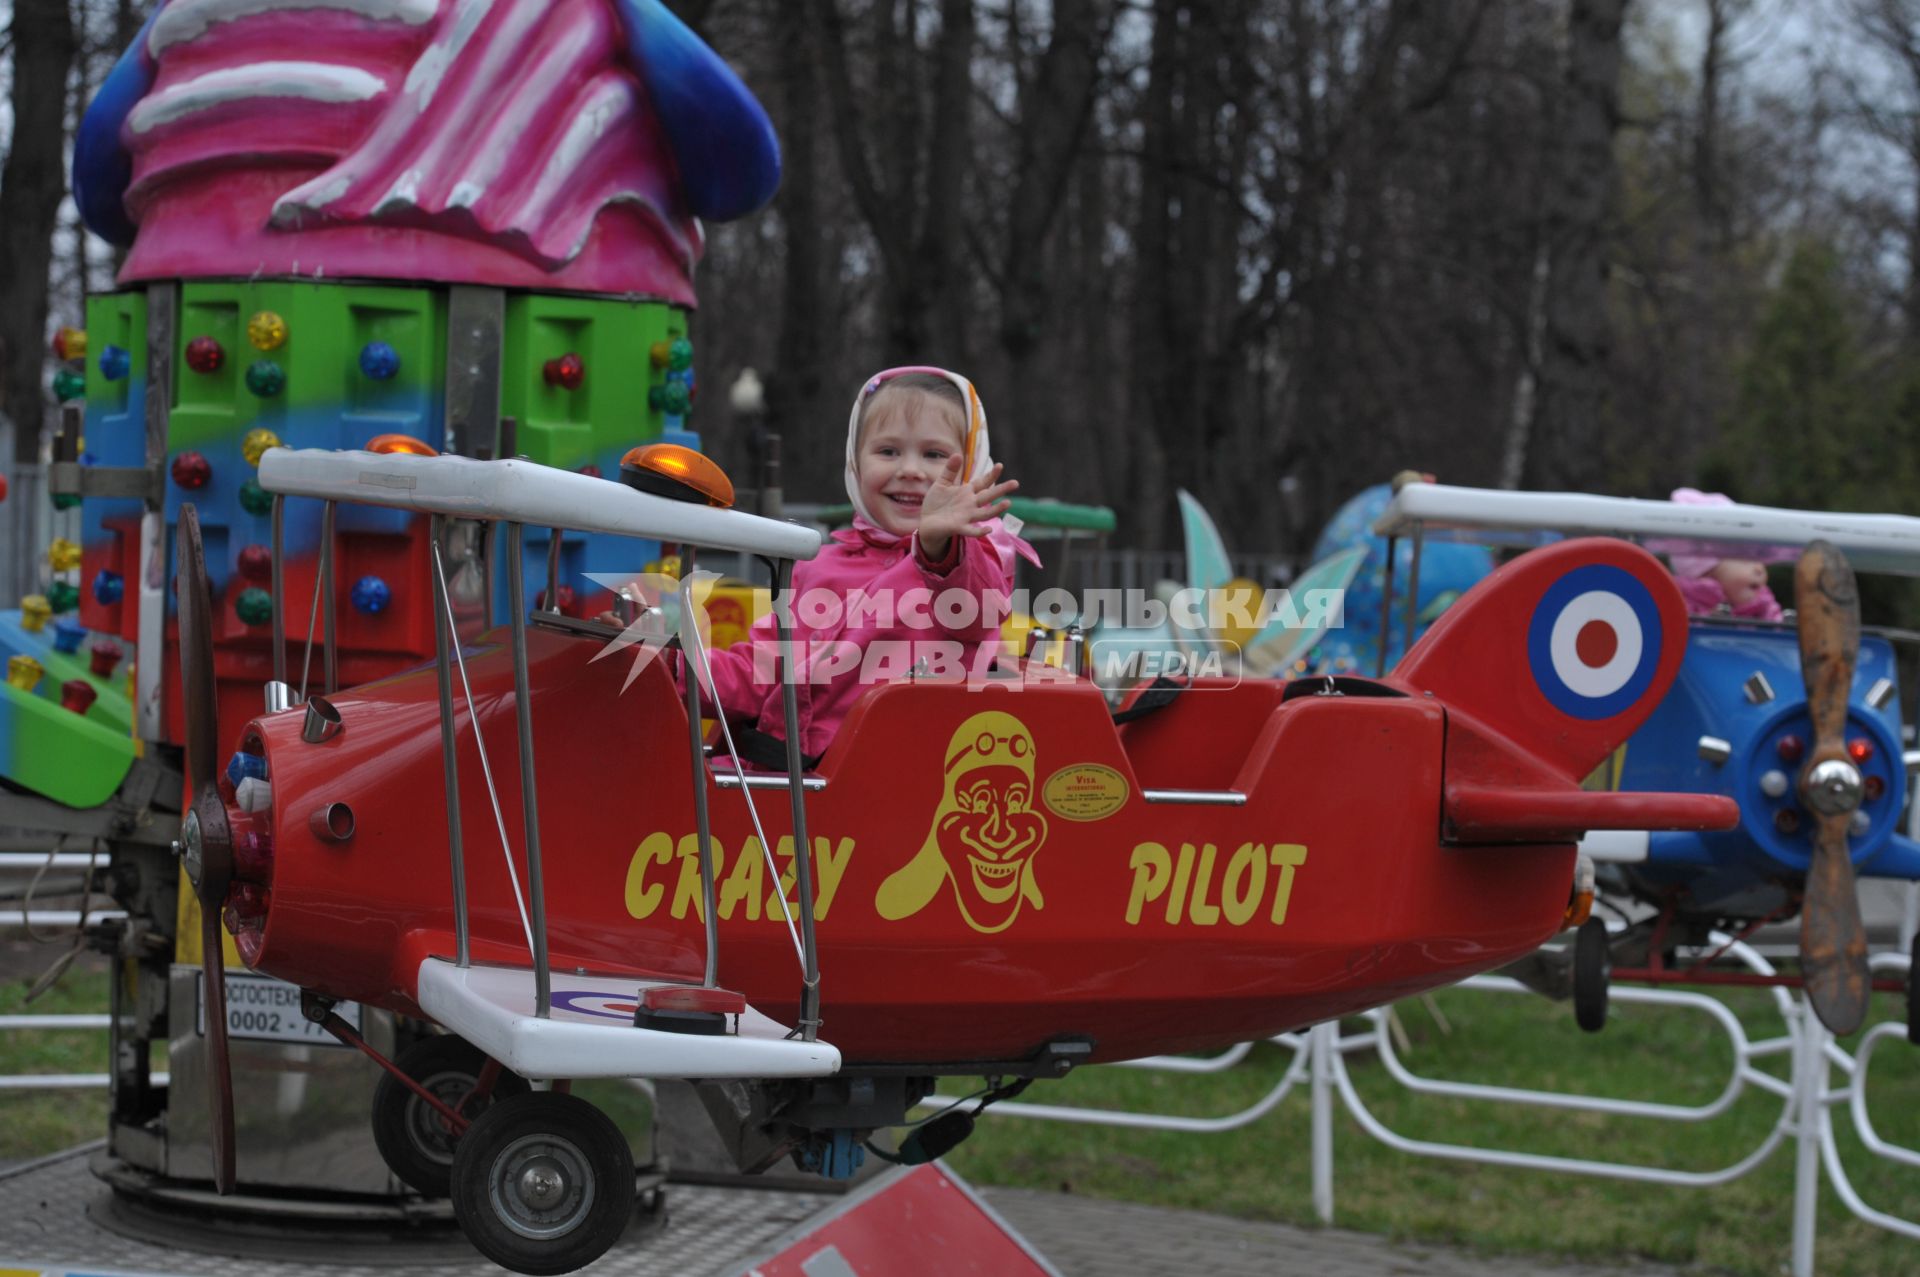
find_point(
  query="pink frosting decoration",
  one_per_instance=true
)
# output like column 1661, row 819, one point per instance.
column 501, row 142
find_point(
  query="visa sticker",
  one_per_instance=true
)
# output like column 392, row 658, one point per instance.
column 1085, row 791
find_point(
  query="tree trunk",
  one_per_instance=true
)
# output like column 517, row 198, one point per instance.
column 796, row 388
column 32, row 184
column 1573, row 420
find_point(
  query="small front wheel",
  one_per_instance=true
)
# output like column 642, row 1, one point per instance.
column 1592, row 970
column 1913, row 991
column 543, row 1183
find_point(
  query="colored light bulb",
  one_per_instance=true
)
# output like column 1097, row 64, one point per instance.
column 379, row 361
column 1860, row 749
column 265, row 378
column 254, row 606
column 1791, row 749
column 255, row 562
column 267, row 331
column 103, row 656
column 371, row 595
column 566, row 372
column 244, row 765
column 108, row 588
column 1874, row 787
column 680, row 354
column 190, row 470
column 255, row 499
column 68, row 384
column 205, row 355
column 77, row 694
column 64, row 500
column 35, row 612
column 566, row 599
column 70, row 343
column 255, row 445
column 63, row 555
column 674, row 399
column 659, row 353
column 115, row 363
column 591, row 470
column 63, row 597
column 67, row 636
column 23, row 672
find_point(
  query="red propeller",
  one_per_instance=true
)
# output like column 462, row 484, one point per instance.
column 206, row 841
column 1833, row 941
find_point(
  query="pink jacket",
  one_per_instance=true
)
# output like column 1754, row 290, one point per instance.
column 870, row 610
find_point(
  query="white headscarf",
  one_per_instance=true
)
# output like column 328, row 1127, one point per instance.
column 976, row 460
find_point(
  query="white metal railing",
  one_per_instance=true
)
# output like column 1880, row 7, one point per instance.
column 70, row 1023
column 1806, row 1117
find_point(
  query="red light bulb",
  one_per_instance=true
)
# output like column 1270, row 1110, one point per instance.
column 1874, row 787
column 190, row 470
column 104, row 656
column 204, row 355
column 256, row 563
column 1791, row 749
column 77, row 695
column 1860, row 749
column 567, row 372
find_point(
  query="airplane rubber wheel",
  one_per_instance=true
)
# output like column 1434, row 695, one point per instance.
column 1592, row 970
column 412, row 1138
column 1913, row 991
column 543, row 1183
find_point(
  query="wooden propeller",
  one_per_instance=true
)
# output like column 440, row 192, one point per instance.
column 1833, row 940
column 205, row 837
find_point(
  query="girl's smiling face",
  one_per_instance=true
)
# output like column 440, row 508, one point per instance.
column 907, row 441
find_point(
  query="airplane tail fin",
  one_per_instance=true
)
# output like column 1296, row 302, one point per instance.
column 1545, row 669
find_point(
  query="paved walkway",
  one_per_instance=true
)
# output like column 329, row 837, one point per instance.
column 1087, row 1237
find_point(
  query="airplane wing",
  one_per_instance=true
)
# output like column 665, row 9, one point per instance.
column 524, row 492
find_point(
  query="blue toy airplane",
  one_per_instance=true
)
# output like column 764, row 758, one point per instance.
column 1799, row 721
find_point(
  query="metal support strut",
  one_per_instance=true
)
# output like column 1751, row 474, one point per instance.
column 809, row 1025
column 529, row 797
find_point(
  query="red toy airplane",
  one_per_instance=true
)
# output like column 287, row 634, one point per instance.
column 1003, row 882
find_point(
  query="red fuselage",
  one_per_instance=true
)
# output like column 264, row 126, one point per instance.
column 989, row 872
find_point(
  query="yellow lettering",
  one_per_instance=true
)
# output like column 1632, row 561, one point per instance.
column 1151, row 865
column 1200, row 911
column 784, row 850
column 1246, row 882
column 1289, row 856
column 745, row 882
column 830, row 862
column 643, row 899
column 1182, row 875
column 686, row 892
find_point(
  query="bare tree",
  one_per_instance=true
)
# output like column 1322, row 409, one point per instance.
column 32, row 183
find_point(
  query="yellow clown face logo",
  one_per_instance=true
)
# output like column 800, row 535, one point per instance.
column 984, row 834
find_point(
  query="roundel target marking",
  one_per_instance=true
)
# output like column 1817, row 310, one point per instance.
column 1594, row 641
column 611, row 1006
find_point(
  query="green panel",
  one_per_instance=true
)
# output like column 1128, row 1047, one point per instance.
column 70, row 759
column 609, row 412
column 115, row 319
column 327, row 401
column 111, row 707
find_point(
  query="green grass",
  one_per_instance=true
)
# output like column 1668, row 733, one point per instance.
column 1263, row 1171
column 35, row 1123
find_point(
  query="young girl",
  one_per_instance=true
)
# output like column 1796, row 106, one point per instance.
column 906, row 587
column 1709, row 583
